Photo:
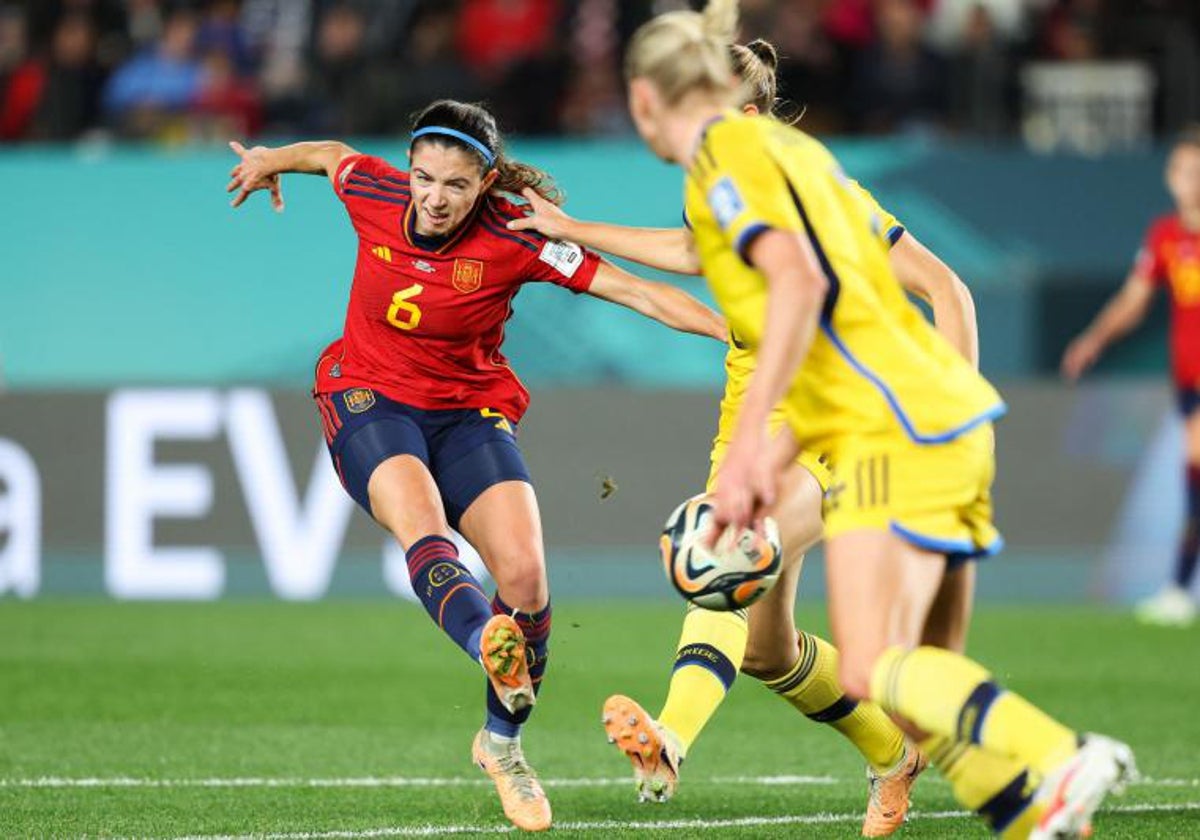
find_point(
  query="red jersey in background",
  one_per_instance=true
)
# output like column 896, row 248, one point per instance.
column 1170, row 257
column 424, row 327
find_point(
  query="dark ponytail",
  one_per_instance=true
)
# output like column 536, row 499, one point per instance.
column 477, row 122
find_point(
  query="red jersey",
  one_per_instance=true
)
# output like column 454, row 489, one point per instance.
column 1170, row 257
column 424, row 327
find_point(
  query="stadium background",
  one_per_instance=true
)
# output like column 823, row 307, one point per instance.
column 156, row 440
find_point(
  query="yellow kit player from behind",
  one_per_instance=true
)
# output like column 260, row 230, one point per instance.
column 763, row 642
column 794, row 258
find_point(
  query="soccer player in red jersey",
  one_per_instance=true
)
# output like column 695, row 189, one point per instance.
column 419, row 406
column 1169, row 258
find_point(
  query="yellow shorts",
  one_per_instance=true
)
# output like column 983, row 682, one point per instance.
column 811, row 461
column 935, row 497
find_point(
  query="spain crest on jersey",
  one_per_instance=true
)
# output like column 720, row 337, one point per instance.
column 359, row 400
column 467, row 276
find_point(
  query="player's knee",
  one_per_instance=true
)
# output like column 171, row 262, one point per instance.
column 520, row 576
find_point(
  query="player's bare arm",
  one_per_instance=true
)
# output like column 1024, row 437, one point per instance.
column 259, row 168
column 661, row 301
column 1124, row 311
column 665, row 249
column 796, row 291
column 921, row 272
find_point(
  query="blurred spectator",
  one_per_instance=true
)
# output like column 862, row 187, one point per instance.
column 494, row 36
column 813, row 71
column 145, row 95
column 14, row 39
column 594, row 100
column 512, row 46
column 227, row 105
column 145, row 23
column 338, row 98
column 70, row 100
column 850, row 22
column 982, row 78
column 199, row 68
column 221, row 31
column 390, row 22
column 21, row 77
column 1072, row 30
column 429, row 68
column 277, row 32
column 899, row 82
column 951, row 21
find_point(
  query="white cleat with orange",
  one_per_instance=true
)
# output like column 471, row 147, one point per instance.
column 1071, row 794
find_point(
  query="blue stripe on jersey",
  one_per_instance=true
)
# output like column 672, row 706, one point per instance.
column 375, row 184
column 507, row 234
column 501, row 221
column 388, row 199
column 894, row 233
column 746, row 239
column 835, row 287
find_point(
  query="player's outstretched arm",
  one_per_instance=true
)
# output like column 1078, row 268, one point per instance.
column 259, row 168
column 666, row 249
column 920, row 271
column 660, row 301
column 1124, row 311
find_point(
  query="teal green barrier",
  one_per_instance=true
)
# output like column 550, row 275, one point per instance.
column 127, row 266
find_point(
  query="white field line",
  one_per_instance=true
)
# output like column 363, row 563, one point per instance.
column 444, row 781
column 643, row 825
column 375, row 782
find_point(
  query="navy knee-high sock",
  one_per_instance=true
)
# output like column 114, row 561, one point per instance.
column 536, row 628
column 1189, row 547
column 449, row 592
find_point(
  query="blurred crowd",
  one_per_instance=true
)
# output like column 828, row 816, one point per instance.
column 187, row 71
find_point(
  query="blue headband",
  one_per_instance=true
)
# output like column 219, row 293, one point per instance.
column 488, row 155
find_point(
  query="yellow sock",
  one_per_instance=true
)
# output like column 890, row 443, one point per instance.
column 711, row 648
column 812, row 687
column 995, row 787
column 947, row 694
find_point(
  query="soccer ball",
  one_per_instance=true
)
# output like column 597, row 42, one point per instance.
column 739, row 571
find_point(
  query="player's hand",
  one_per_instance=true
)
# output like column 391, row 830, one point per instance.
column 251, row 174
column 1080, row 355
column 546, row 217
column 746, row 485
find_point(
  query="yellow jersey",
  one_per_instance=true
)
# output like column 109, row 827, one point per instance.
column 877, row 365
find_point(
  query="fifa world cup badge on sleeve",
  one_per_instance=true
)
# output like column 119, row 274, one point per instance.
column 359, row 400
column 468, row 275
column 564, row 257
column 726, row 202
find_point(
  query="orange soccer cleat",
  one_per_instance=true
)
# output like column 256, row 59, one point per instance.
column 502, row 653
column 653, row 749
column 887, row 805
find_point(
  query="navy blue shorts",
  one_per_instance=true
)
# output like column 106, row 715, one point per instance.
column 466, row 450
column 1188, row 400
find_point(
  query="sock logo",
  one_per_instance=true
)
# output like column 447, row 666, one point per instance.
column 443, row 573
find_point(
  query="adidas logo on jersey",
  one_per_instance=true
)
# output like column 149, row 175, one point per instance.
column 383, row 252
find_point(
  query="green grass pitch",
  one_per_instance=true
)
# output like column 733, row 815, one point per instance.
column 354, row 719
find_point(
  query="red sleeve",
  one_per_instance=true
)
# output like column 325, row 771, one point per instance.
column 1149, row 262
column 368, row 185
column 564, row 264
